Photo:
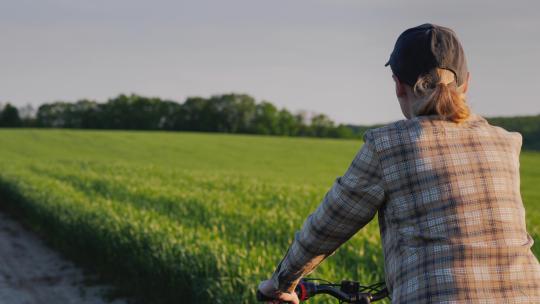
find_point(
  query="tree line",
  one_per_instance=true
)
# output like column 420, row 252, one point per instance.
column 227, row 113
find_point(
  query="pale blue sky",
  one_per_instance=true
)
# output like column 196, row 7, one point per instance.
column 322, row 56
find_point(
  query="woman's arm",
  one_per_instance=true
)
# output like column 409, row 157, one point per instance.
column 348, row 206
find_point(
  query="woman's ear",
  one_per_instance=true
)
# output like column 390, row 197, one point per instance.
column 400, row 87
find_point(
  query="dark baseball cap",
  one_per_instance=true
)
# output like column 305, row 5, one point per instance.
column 420, row 49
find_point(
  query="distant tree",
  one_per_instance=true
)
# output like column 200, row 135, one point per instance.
column 245, row 112
column 81, row 114
column 27, row 111
column 287, row 123
column 231, row 113
column 237, row 112
column 266, row 119
column 9, row 117
column 56, row 115
column 86, row 114
column 27, row 114
column 135, row 112
column 302, row 120
column 221, row 114
column 321, row 125
column 192, row 115
column 341, row 131
column 167, row 110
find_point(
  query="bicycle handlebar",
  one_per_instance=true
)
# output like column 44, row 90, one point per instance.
column 348, row 292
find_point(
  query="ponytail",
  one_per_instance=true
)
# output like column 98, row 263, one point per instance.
column 440, row 96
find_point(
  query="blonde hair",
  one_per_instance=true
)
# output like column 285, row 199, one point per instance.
column 439, row 95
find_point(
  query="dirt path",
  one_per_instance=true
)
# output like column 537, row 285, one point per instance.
column 32, row 273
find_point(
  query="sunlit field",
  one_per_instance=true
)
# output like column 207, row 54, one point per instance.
column 190, row 217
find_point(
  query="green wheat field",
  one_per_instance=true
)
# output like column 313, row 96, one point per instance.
column 190, row 217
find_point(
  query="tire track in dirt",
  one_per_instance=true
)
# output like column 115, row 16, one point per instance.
column 32, row 273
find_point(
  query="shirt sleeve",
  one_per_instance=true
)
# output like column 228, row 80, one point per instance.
column 351, row 203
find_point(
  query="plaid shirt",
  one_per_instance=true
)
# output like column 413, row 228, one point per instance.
column 450, row 214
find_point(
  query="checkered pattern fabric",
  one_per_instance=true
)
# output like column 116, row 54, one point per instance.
column 450, row 214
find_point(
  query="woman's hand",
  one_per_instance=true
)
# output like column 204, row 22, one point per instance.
column 267, row 288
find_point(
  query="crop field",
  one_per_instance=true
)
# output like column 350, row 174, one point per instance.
column 190, row 217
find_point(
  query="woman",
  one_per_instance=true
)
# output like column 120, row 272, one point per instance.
column 445, row 185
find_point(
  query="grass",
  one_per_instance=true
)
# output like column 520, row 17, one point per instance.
column 189, row 217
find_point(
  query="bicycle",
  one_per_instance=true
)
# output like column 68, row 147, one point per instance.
column 346, row 292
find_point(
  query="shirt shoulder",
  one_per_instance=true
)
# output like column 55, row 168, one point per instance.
column 514, row 136
column 390, row 134
column 429, row 128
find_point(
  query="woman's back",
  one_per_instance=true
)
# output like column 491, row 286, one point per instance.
column 453, row 225
column 445, row 185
